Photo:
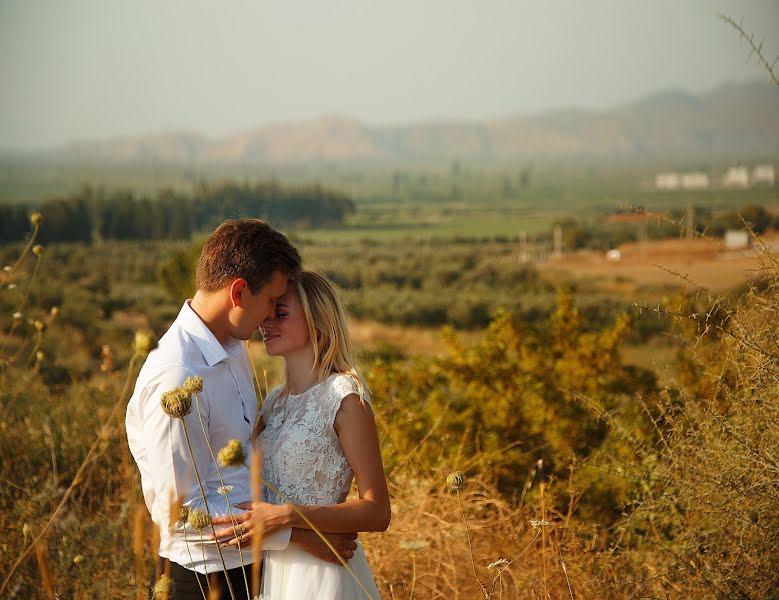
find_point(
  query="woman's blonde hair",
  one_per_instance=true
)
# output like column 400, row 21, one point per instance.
column 328, row 330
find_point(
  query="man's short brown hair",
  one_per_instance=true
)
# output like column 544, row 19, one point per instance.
column 246, row 248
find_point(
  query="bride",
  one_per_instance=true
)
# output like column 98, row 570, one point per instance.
column 317, row 432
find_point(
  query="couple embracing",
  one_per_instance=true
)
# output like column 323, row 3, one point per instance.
column 315, row 433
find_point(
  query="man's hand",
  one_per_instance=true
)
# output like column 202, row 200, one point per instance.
column 309, row 541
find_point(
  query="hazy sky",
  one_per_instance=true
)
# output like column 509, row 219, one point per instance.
column 74, row 69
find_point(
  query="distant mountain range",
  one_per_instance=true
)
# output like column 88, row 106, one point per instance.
column 732, row 121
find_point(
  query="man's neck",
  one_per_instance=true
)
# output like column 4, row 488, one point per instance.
column 213, row 312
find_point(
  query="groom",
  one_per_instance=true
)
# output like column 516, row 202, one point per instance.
column 243, row 268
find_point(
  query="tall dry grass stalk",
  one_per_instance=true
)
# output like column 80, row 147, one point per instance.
column 42, row 556
column 139, row 540
column 256, row 488
column 79, row 474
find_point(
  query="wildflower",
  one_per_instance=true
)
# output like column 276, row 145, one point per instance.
column 537, row 524
column 144, row 341
column 36, row 218
column 37, row 250
column 232, row 455
column 17, row 316
column 183, row 514
column 501, row 562
column 164, row 588
column 193, row 385
column 54, row 311
column 456, row 481
column 414, row 545
column 176, row 403
column 224, row 489
column 78, row 559
column 39, row 326
column 40, row 355
column 199, row 519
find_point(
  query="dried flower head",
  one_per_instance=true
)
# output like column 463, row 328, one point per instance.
column 40, row 355
column 37, row 250
column 232, row 455
column 198, row 519
column 194, row 385
column 455, row 481
column 54, row 311
column 501, row 562
column 17, row 316
column 36, row 218
column 414, row 545
column 8, row 268
column 538, row 524
column 224, row 489
column 164, row 588
column 39, row 326
column 144, row 341
column 176, row 403
column 78, row 559
column 183, row 514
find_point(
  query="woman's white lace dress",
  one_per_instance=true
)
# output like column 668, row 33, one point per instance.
column 302, row 457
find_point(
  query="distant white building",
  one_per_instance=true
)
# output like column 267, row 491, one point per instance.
column 736, row 239
column 736, row 177
column 763, row 174
column 667, row 181
column 695, row 181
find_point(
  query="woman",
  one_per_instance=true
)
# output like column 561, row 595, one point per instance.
column 317, row 432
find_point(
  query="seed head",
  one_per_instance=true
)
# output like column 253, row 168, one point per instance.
column 414, row 545
column 501, row 562
column 176, row 403
column 183, row 514
column 199, row 519
column 36, row 218
column 17, row 316
column 194, row 385
column 54, row 311
column 39, row 326
column 232, row 455
column 164, row 588
column 754, row 516
column 78, row 559
column 144, row 341
column 40, row 355
column 456, row 481
column 37, row 249
column 224, row 489
column 537, row 524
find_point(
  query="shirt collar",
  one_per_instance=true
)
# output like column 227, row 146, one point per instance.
column 205, row 340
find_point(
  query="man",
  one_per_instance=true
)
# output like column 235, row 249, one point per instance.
column 243, row 268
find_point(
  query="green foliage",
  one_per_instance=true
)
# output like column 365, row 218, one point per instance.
column 512, row 398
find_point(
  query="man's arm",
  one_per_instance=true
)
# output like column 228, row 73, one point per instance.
column 309, row 541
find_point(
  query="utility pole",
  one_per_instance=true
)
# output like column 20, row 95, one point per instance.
column 558, row 241
column 690, row 223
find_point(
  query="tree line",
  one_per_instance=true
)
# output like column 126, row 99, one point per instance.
column 95, row 213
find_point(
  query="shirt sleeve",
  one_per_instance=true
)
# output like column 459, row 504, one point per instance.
column 178, row 451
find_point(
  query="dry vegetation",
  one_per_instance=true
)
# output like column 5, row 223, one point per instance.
column 667, row 493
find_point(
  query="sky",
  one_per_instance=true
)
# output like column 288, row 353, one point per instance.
column 93, row 69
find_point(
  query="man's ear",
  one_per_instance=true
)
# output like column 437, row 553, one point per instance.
column 238, row 288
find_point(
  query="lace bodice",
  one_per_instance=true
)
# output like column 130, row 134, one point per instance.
column 302, row 455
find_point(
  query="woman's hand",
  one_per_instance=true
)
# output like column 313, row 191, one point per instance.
column 242, row 526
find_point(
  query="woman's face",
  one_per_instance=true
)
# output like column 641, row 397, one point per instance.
column 286, row 332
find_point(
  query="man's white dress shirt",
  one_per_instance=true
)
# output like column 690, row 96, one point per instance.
column 228, row 407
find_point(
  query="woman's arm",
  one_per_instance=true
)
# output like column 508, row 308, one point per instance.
column 359, row 439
